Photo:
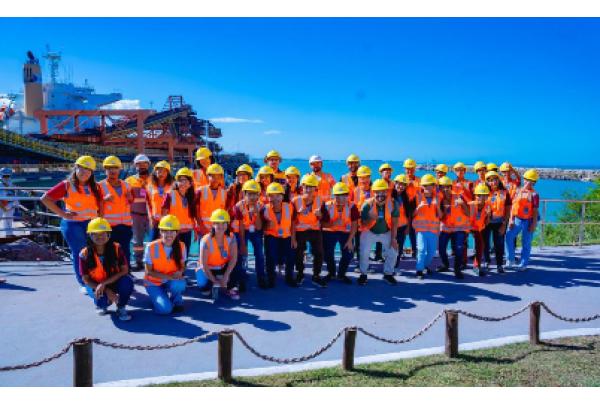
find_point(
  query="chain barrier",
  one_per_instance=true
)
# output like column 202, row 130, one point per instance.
column 295, row 359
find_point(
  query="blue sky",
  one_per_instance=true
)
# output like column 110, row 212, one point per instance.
column 527, row 89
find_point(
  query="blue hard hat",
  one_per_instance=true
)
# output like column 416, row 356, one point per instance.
column 6, row 171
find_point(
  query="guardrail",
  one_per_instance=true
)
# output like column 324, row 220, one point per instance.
column 83, row 350
column 582, row 223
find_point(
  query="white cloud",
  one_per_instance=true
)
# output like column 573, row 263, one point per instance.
column 234, row 120
column 4, row 101
column 123, row 105
column 272, row 132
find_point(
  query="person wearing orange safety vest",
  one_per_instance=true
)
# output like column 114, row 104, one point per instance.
column 104, row 270
column 362, row 192
column 139, row 215
column 82, row 198
column 480, row 213
column 273, row 160
column 501, row 203
column 310, row 212
column 480, row 169
column 379, row 221
column 351, row 178
column 165, row 260
column 426, row 223
column 234, row 192
column 413, row 187
column 158, row 187
column 455, row 225
column 523, row 217
column 460, row 184
column 265, row 177
column 441, row 170
column 510, row 178
column 209, row 198
column 325, row 180
column 218, row 256
column 204, row 159
column 385, row 171
column 406, row 206
column 340, row 229
column 292, row 187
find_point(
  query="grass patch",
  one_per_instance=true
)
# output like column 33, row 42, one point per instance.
column 571, row 361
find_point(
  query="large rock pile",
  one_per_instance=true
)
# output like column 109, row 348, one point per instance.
column 25, row 250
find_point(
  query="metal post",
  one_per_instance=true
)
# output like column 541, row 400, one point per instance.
column 207, row 144
column 581, row 226
column 225, row 356
column 543, row 223
column 348, row 354
column 534, row 323
column 83, row 364
column 452, row 334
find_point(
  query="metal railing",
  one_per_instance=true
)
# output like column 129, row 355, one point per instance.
column 582, row 223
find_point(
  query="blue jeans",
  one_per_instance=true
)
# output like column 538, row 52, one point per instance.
column 400, row 239
column 159, row 294
column 458, row 240
column 122, row 235
column 276, row 247
column 123, row 288
column 256, row 238
column 75, row 232
column 413, row 242
column 205, row 284
column 511, row 237
column 330, row 239
column 426, row 247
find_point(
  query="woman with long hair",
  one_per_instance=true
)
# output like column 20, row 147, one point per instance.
column 501, row 206
column 158, row 187
column 406, row 205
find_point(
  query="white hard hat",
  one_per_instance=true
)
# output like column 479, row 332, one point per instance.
column 141, row 158
column 315, row 158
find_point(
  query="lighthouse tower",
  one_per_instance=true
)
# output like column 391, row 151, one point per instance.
column 32, row 78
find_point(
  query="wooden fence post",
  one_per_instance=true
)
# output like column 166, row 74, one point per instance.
column 83, row 364
column 225, row 356
column 452, row 334
column 534, row 323
column 349, row 344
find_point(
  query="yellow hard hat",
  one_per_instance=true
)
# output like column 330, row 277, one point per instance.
column 169, row 222
column 401, row 178
column 98, row 225
column 87, row 162
column 531, row 175
column 460, row 165
column 445, row 181
column 214, row 169
column 251, row 186
column 384, row 167
column 428, row 179
column 111, row 161
column 492, row 167
column 482, row 189
column 266, row 170
column 184, row 172
column 163, row 164
column 380, row 185
column 275, row 188
column 310, row 180
column 505, row 167
column 203, row 153
column 352, row 158
column 292, row 170
column 491, row 174
column 273, row 154
column 220, row 216
column 441, row 168
column 363, row 171
column 245, row 168
column 479, row 165
column 340, row 188
column 410, row 163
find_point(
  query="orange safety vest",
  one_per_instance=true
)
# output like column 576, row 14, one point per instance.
column 335, row 214
column 512, row 189
column 82, row 204
column 283, row 228
column 280, row 177
column 139, row 202
column 464, row 187
column 247, row 219
column 360, row 197
column 305, row 219
column 374, row 209
column 497, row 200
column 413, row 187
column 98, row 274
column 402, row 220
column 427, row 217
column 523, row 204
column 179, row 208
column 455, row 219
column 263, row 198
column 208, row 203
column 116, row 212
column 347, row 179
column 478, row 182
column 325, row 184
column 161, row 263
column 217, row 258
column 294, row 193
column 200, row 179
column 156, row 200
column 477, row 217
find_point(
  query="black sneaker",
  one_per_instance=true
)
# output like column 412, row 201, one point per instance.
column 429, row 271
column 442, row 268
column 459, row 274
column 328, row 278
column 318, row 282
column 419, row 274
column 242, row 287
column 463, row 267
column 300, row 278
column 500, row 269
column 362, row 280
column 263, row 284
column 291, row 283
column 271, row 283
column 178, row 309
column 481, row 273
column 344, row 279
column 390, row 279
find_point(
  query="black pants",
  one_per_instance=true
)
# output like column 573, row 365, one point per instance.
column 316, row 242
column 493, row 229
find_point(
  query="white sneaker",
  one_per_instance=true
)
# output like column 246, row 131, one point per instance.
column 123, row 315
column 509, row 264
column 83, row 290
column 232, row 294
column 133, row 278
column 100, row 311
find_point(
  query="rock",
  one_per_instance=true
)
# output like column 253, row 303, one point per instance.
column 25, row 250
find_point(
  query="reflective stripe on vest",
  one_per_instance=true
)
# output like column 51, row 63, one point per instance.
column 523, row 205
column 156, row 200
column 455, row 219
column 402, row 220
column 117, row 212
column 160, row 262
column 200, row 179
column 426, row 219
column 283, row 228
column 98, row 274
column 477, row 216
column 307, row 220
column 209, row 204
column 325, row 185
column 217, row 257
column 335, row 215
column 241, row 205
column 179, row 208
column 82, row 204
column 498, row 202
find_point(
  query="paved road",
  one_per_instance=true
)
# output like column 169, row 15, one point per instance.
column 41, row 310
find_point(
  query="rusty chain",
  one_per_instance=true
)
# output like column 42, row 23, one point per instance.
column 155, row 347
column 488, row 318
column 569, row 319
column 45, row 360
column 405, row 340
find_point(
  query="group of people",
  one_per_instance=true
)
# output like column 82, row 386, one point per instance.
column 286, row 217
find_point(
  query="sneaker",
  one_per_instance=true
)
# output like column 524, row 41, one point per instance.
column 232, row 294
column 123, row 315
column 271, row 283
column 344, row 279
column 205, row 292
column 242, row 287
column 481, row 272
column 291, row 283
column 521, row 268
column 500, row 269
column 83, row 290
column 100, row 311
column 362, row 280
column 459, row 275
column 178, row 309
column 263, row 284
column 475, row 271
column 390, row 279
column 509, row 264
column 485, row 266
column 281, row 268
column 442, row 268
column 328, row 278
column 419, row 274
column 300, row 278
column 318, row 282
column 429, row 271
column 356, row 270
column 134, row 279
